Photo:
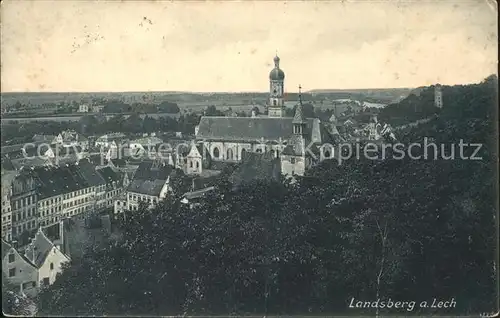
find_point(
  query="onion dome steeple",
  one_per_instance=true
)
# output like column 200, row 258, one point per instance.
column 276, row 73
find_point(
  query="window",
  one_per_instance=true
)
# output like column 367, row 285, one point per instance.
column 197, row 164
column 12, row 272
column 216, row 152
column 12, row 258
column 46, row 281
column 51, row 266
column 292, row 160
column 274, row 102
column 230, row 154
column 190, row 164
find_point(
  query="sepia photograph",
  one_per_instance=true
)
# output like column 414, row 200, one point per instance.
column 249, row 158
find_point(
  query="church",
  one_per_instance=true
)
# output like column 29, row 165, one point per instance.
column 227, row 139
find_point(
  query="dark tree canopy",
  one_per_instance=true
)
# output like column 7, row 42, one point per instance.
column 399, row 229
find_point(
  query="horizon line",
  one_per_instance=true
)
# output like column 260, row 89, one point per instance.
column 209, row 92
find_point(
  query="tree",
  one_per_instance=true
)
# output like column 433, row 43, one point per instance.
column 399, row 229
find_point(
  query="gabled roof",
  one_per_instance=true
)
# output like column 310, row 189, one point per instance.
column 39, row 248
column 150, row 177
column 193, row 152
column 152, row 170
column 89, row 173
column 7, row 248
column 253, row 128
column 119, row 162
column 53, row 181
column 148, row 187
column 109, row 175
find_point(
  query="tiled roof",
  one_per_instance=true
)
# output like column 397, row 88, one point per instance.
column 253, row 128
column 149, row 187
column 152, row 170
column 53, row 181
column 38, row 249
column 109, row 175
column 147, row 141
column 89, row 173
column 34, row 162
column 150, row 177
column 256, row 166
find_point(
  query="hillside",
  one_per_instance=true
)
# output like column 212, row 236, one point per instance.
column 400, row 229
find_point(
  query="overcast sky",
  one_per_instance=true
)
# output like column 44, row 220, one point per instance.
column 229, row 46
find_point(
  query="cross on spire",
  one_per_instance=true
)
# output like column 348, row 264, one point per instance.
column 300, row 93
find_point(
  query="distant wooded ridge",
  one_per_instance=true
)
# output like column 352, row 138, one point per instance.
column 381, row 95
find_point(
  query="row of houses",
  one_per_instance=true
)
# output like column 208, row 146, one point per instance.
column 42, row 196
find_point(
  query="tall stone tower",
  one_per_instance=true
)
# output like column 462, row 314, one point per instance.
column 276, row 90
column 438, row 96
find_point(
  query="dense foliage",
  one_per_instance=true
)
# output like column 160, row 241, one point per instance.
column 98, row 124
column 399, row 229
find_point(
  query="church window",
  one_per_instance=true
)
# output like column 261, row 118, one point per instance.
column 327, row 154
column 197, row 164
column 216, row 152
column 274, row 102
column 259, row 150
column 243, row 151
column 292, row 160
column 230, row 154
column 190, row 164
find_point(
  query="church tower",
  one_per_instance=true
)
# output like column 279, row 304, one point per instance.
column 438, row 96
column 276, row 90
column 293, row 158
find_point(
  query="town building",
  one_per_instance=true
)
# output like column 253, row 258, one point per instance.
column 83, row 108
column 150, row 184
column 7, row 178
column 115, row 183
column 47, row 257
column 19, row 271
column 106, row 140
column 193, row 160
column 23, row 205
column 34, row 267
column 227, row 139
column 146, row 143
